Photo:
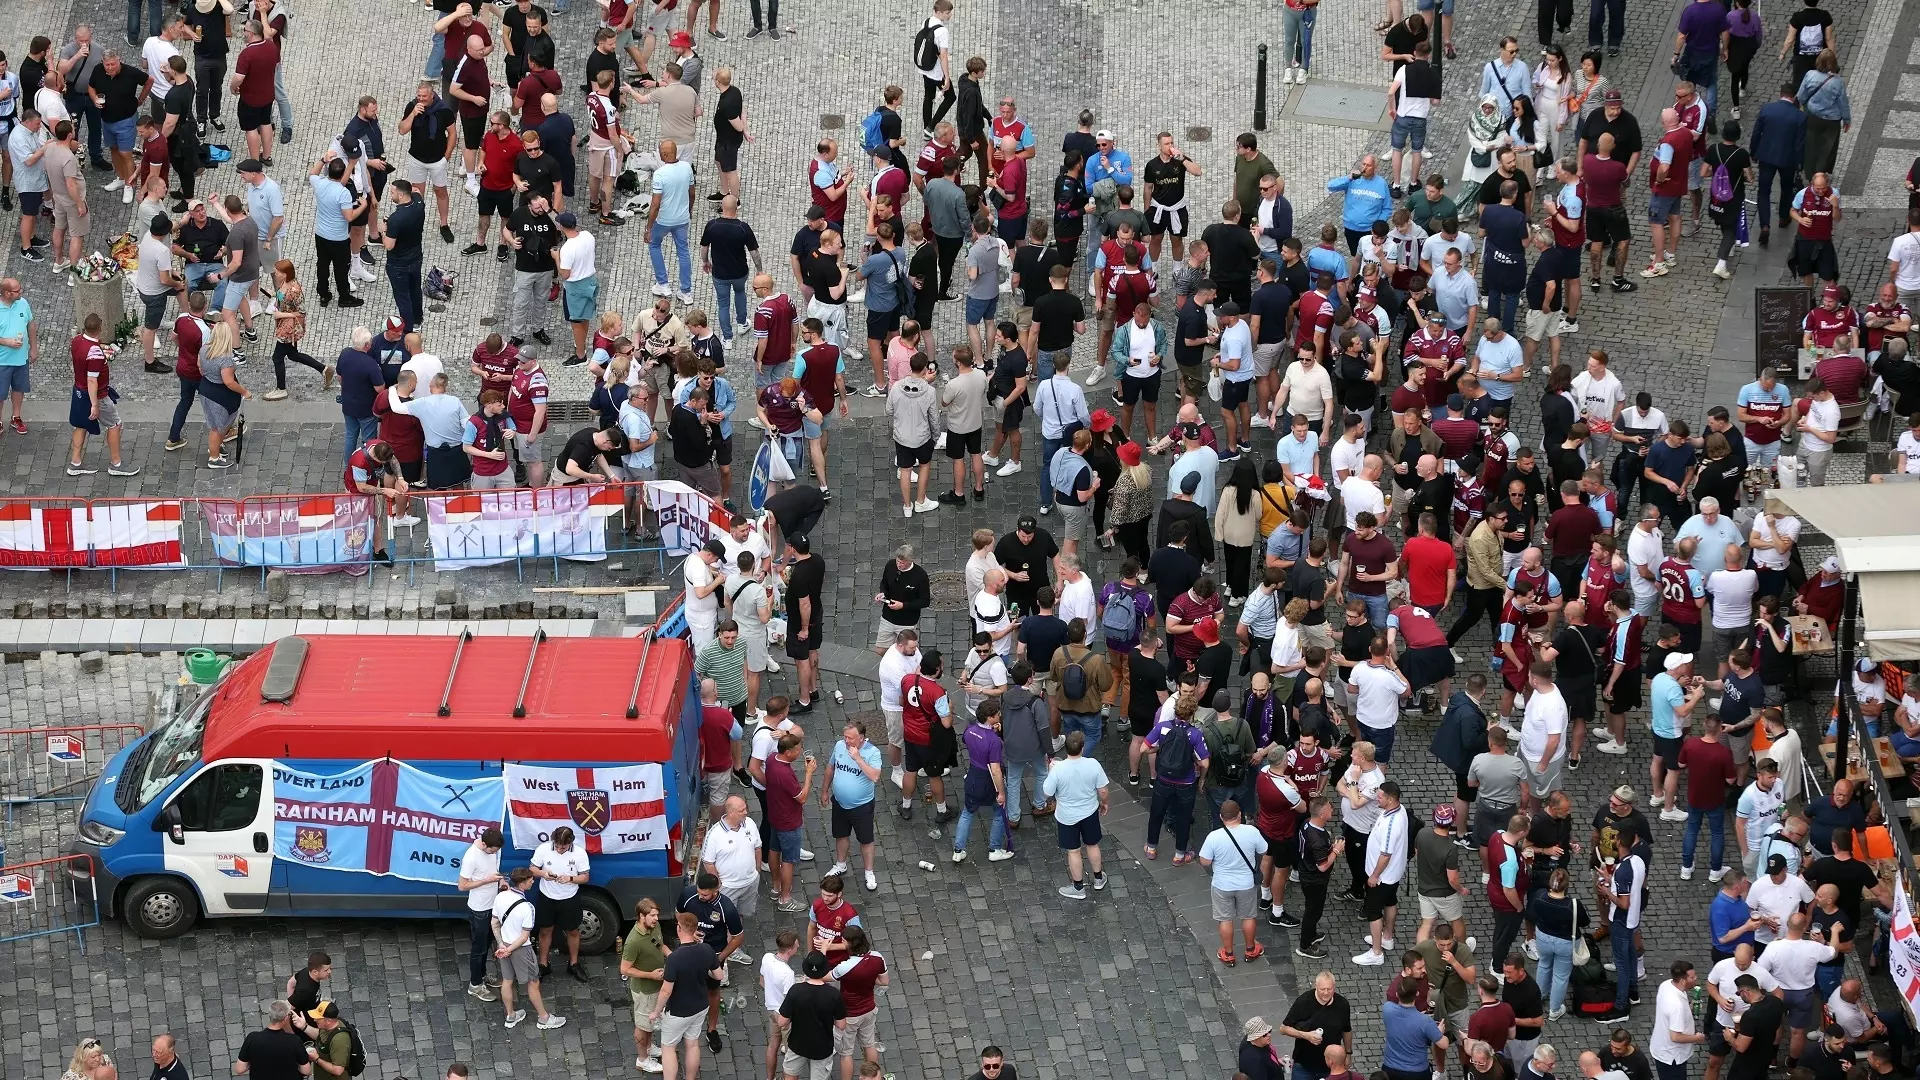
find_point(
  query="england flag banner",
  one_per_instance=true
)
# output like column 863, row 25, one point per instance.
column 488, row 528
column 614, row 808
column 383, row 817
column 131, row 535
column 1903, row 952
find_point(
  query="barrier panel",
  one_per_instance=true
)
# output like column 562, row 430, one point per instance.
column 55, row 764
column 49, row 896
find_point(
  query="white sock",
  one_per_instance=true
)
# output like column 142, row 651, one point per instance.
column 940, row 806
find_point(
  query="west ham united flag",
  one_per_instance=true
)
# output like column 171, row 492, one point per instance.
column 612, row 809
column 383, row 817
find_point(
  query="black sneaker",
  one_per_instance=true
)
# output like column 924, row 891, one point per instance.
column 713, row 1041
column 952, row 498
column 1622, row 285
column 218, row 124
column 755, row 32
column 1573, row 764
column 474, row 249
column 383, row 557
column 351, row 301
column 546, row 970
column 1274, row 920
column 906, row 812
column 158, row 368
column 541, row 337
column 942, row 815
column 502, row 252
column 578, row 972
column 1613, row 1016
column 1133, row 779
column 1315, row 951
column 1289, row 920
column 802, row 708
column 979, row 495
column 32, row 255
column 1398, row 192
column 516, row 342
column 715, row 197
column 573, row 361
column 1633, row 998
column 1348, row 895
column 446, row 234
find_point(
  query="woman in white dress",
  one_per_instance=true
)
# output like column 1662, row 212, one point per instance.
column 1552, row 90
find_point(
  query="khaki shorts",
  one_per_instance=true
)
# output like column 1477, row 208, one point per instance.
column 675, row 1030
column 896, row 726
column 642, row 1007
column 496, row 482
column 1193, row 381
column 1542, row 325
column 1022, row 319
column 861, row 1033
column 1316, row 634
column 1265, row 357
column 529, row 448
column 792, row 1064
column 67, row 216
column 1450, row 908
column 719, row 785
column 757, row 658
column 431, row 173
column 886, row 633
column 600, row 163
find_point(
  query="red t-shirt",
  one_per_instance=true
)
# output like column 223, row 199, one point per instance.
column 257, row 62
column 773, row 321
column 1188, row 609
column 1710, row 772
column 484, row 439
column 1428, row 559
column 398, row 430
column 1417, row 628
column 457, row 35
column 1571, row 529
column 1277, row 819
column 1681, row 141
column 498, row 152
column 857, row 979
column 1406, row 397
column 1818, row 209
column 821, row 375
column 1490, row 1024
column 1603, row 180
column 783, row 787
column 831, row 927
column 1315, row 316
column 1498, row 852
column 472, row 77
column 89, row 358
column 836, row 208
column 716, row 738
column 1458, row 436
column 1013, row 178
column 498, row 366
column 189, row 334
column 1369, row 556
column 894, row 184
column 528, row 94
column 1677, row 593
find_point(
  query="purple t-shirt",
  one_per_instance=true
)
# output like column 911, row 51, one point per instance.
column 983, row 750
column 1703, row 22
column 1142, row 609
column 1194, row 739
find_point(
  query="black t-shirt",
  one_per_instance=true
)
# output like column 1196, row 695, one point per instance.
column 1505, row 265
column 1624, row 129
column 730, row 107
column 306, row 992
column 687, row 969
column 1148, row 677
column 811, row 1010
column 598, row 62
column 1308, row 582
column 1032, row 557
column 1069, row 206
column 1852, row 878
column 538, row 235
column 1189, row 324
column 806, row 579
column 1233, row 251
column 1079, row 142
column 822, row 272
column 1761, row 1022
column 1168, row 178
column 806, row 242
column 1528, row 1014
column 179, row 102
column 1053, row 316
column 925, row 268
column 1548, row 831
column 1543, row 272
column 1351, row 385
column 1624, row 831
column 1400, row 41
column 728, row 240
column 1809, row 30
column 581, row 451
column 539, row 173
column 1270, row 303
column 1011, row 368
column 34, row 72
column 796, row 502
column 202, row 243
column 1356, row 642
column 1043, row 635
column 1835, row 929
column 1738, row 161
column 120, row 94
column 405, row 225
column 692, row 442
column 1333, row 1020
column 1575, row 665
column 427, row 136
column 1776, row 667
column 1215, row 665
column 514, row 21
column 1031, row 264
column 1174, row 570
column 1490, row 189
column 272, row 1054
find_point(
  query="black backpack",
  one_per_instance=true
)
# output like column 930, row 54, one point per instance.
column 356, row 1050
column 926, row 51
column 1174, row 757
column 1073, row 677
column 1228, row 768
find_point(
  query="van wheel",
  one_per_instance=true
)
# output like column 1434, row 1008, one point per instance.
column 160, row 907
column 599, row 923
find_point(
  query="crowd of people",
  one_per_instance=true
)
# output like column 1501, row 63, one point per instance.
column 1261, row 618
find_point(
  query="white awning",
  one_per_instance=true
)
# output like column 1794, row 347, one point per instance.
column 1875, row 530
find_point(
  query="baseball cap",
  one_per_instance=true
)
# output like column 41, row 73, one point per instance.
column 1866, row 667
column 680, row 40
column 251, row 165
column 196, row 204
column 816, row 965
column 1190, row 431
column 1443, row 814
column 1190, row 483
column 1103, row 135
column 1255, row 1028
column 1678, row 660
column 1227, row 310
column 1831, row 564
column 566, row 220
column 1612, row 97
column 800, row 544
column 715, row 547
column 1776, row 863
column 1831, row 292
column 1624, row 793
column 395, row 322
column 1027, row 522
column 1456, row 403
column 326, row 1010
column 349, row 148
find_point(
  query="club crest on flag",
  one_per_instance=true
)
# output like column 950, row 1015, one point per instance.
column 310, row 844
column 589, row 809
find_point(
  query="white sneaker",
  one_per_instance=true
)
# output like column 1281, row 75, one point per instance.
column 1387, row 945
column 1531, row 950
column 1720, row 271
column 837, row 868
column 1300, row 76
column 1608, row 746
column 872, row 883
column 857, row 296
column 990, row 461
column 1716, row 874
column 361, row 273
column 407, row 519
column 906, row 511
column 925, row 506
column 805, row 855
column 1008, row 469
column 1058, row 742
column 661, row 290
column 651, row 1065
column 113, row 185
column 1472, row 943
column 683, row 297
column 959, row 856
column 1686, row 873
column 1260, row 422
column 514, row 1017
column 1370, row 959
column 551, row 1021
column 999, row 855
column 1094, row 376
column 473, row 184
column 126, row 196
column 1675, row 814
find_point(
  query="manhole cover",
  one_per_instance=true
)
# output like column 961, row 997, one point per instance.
column 948, row 590
column 569, row 412
column 833, row 121
column 1199, row 134
column 1341, row 104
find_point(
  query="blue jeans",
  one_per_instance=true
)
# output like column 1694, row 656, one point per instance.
column 1043, row 364
column 656, row 240
column 1376, row 608
column 1705, row 77
column 996, row 834
column 1382, row 740
column 1017, row 774
column 1089, row 724
column 282, row 100
column 731, row 296
column 359, row 430
column 1172, row 805
column 1217, row 797
column 1827, row 979
column 1505, row 307
column 1296, row 36
column 197, row 278
column 1048, row 447
column 479, row 945
column 154, row 14
column 1556, row 967
column 1624, row 964
column 436, row 57
column 1716, row 845
column 407, row 298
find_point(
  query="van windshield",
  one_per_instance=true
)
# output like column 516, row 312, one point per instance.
column 168, row 753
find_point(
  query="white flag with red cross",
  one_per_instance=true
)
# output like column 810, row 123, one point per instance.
column 128, row 535
column 611, row 808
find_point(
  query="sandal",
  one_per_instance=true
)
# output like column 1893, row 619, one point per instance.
column 1255, row 953
column 1383, row 27
column 1225, row 956
column 1150, row 851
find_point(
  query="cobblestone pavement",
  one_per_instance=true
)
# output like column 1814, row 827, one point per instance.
column 1120, row 985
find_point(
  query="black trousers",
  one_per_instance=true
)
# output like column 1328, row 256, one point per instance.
column 1239, row 563
column 284, row 351
column 208, row 74
column 1569, row 570
column 189, row 390
column 1480, row 602
column 1506, row 927
column 334, row 255
column 407, row 299
column 1787, row 175
column 1133, row 539
column 1740, row 54
column 1316, row 895
column 930, row 116
column 949, row 251
column 1551, row 12
column 773, row 12
column 1356, row 858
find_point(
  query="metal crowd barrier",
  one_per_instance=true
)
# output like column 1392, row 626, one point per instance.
column 48, row 896
column 55, row 764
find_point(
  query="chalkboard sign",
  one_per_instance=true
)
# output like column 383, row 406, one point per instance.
column 1778, row 312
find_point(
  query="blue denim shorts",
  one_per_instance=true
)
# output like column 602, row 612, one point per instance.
column 14, row 379
column 787, row 841
column 1409, row 129
column 119, row 134
column 812, row 430
column 979, row 311
column 1661, row 207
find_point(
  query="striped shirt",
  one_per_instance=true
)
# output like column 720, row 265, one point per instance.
column 727, row 668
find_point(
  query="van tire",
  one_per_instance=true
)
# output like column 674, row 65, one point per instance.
column 599, row 922
column 160, row 907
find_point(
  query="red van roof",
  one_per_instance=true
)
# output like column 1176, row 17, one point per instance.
column 356, row 697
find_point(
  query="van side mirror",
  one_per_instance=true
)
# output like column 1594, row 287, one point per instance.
column 168, row 821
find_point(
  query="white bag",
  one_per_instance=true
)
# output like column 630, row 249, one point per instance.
column 777, row 630
column 1216, row 386
column 779, row 469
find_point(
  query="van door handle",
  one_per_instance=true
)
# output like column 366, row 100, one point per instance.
column 260, row 841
